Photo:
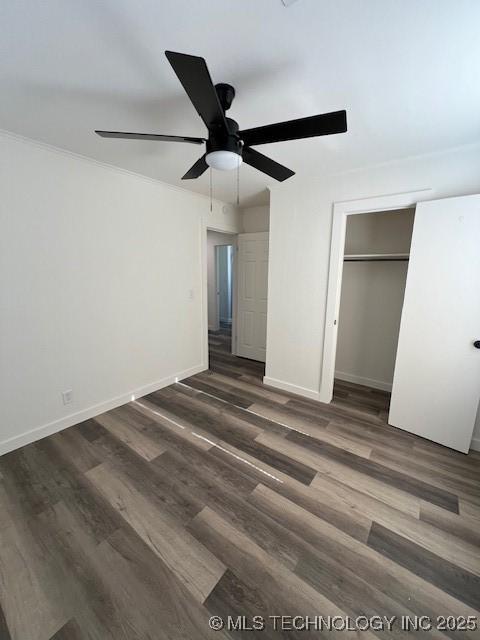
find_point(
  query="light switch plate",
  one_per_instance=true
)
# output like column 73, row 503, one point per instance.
column 67, row 396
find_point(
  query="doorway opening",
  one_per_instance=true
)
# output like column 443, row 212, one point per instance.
column 341, row 212
column 375, row 264
column 221, row 290
column 224, row 286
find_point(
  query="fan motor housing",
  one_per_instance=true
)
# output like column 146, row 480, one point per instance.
column 219, row 141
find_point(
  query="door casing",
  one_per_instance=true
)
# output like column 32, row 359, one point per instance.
column 217, row 281
column 204, row 229
column 341, row 210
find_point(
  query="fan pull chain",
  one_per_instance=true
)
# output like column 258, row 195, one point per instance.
column 211, row 191
column 238, row 184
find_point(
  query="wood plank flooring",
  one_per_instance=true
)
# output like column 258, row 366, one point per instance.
column 221, row 496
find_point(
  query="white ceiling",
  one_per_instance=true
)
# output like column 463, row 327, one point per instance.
column 407, row 71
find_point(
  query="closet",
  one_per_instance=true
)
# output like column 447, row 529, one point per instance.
column 403, row 312
column 376, row 255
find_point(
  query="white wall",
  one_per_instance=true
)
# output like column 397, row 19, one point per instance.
column 300, row 228
column 215, row 238
column 101, row 286
column 256, row 219
column 372, row 298
column 380, row 232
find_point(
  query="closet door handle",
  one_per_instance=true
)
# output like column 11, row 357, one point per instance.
column 476, row 344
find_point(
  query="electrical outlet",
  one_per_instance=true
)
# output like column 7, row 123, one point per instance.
column 191, row 294
column 67, row 396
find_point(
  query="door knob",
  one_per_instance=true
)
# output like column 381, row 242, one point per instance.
column 476, row 344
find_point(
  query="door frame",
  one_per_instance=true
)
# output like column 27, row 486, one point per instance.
column 217, row 279
column 204, row 229
column 341, row 210
column 217, row 291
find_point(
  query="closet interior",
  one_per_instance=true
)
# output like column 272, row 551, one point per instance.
column 376, row 254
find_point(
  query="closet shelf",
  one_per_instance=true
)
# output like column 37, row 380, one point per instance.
column 375, row 257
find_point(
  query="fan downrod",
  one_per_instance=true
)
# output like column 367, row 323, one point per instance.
column 226, row 94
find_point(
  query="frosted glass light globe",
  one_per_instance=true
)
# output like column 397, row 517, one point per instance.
column 223, row 160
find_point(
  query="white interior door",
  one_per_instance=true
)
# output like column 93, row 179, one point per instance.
column 436, row 385
column 252, row 295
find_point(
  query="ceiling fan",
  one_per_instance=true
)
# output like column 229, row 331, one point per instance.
column 227, row 146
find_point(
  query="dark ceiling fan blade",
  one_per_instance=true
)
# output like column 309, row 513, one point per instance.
column 321, row 125
column 193, row 73
column 149, row 136
column 266, row 165
column 197, row 169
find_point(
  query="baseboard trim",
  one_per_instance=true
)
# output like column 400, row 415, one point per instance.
column 475, row 444
column 367, row 382
column 90, row 412
column 292, row 388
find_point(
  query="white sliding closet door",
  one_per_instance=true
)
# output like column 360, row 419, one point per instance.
column 436, row 385
column 252, row 295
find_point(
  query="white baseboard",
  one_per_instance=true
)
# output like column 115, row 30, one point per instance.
column 367, row 382
column 475, row 444
column 292, row 388
column 90, row 412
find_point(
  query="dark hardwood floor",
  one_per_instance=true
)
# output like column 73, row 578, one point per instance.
column 220, row 496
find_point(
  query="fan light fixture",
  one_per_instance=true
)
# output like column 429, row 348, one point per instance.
column 223, row 160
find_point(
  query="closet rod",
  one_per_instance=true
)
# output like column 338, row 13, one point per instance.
column 376, row 259
column 390, row 257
